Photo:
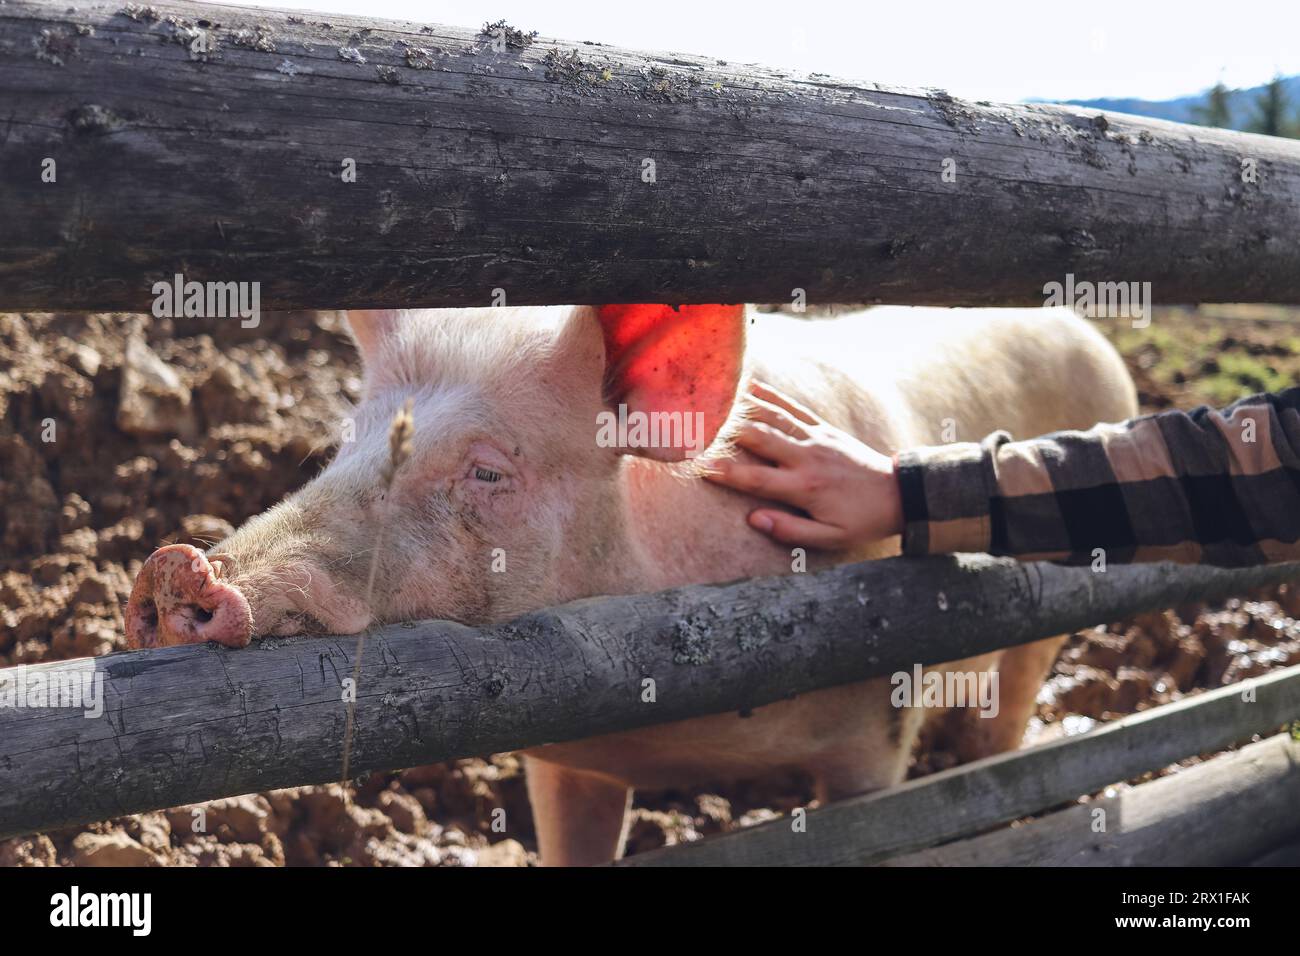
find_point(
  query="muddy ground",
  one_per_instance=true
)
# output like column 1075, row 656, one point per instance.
column 118, row 435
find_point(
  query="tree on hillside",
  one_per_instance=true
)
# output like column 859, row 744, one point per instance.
column 1270, row 116
column 1217, row 108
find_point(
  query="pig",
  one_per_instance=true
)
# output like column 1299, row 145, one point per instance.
column 509, row 405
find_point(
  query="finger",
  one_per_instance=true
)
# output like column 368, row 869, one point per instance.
column 762, row 481
column 792, row 529
column 770, row 394
column 758, row 410
column 770, row 443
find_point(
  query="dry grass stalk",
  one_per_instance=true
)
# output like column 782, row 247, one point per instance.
column 400, row 433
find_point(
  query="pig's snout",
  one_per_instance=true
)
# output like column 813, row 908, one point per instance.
column 177, row 599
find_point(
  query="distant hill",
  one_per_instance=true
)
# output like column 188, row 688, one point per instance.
column 1182, row 110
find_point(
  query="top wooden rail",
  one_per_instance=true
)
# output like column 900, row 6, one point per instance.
column 350, row 162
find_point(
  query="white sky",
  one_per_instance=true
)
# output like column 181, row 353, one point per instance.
column 996, row 49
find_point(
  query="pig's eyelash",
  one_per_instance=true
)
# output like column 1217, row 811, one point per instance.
column 486, row 474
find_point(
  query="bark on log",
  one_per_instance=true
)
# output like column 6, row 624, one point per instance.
column 185, row 724
column 523, row 169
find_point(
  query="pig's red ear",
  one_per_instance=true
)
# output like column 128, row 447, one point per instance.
column 663, row 358
column 369, row 327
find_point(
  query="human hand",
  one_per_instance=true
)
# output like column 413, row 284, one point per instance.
column 848, row 490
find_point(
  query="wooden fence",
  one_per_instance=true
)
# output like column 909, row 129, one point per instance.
column 344, row 162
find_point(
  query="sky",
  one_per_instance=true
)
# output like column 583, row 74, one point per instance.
column 1001, row 50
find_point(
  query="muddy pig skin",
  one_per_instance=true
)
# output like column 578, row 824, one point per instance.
column 512, row 451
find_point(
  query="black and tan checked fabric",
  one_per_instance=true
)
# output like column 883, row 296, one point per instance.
column 1206, row 486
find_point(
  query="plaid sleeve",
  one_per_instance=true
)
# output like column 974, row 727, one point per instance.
column 1206, row 486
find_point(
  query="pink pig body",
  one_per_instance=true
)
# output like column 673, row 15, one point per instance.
column 507, row 403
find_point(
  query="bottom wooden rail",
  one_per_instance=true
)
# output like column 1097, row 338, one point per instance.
column 966, row 800
column 1224, row 812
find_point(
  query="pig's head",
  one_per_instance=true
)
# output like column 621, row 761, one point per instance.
column 513, row 497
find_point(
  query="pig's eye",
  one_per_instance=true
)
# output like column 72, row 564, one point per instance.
column 487, row 474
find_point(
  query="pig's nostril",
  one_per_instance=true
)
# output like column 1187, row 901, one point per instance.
column 202, row 615
column 141, row 622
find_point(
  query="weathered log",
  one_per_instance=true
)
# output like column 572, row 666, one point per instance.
column 183, row 724
column 524, row 168
column 894, row 824
column 1223, row 812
